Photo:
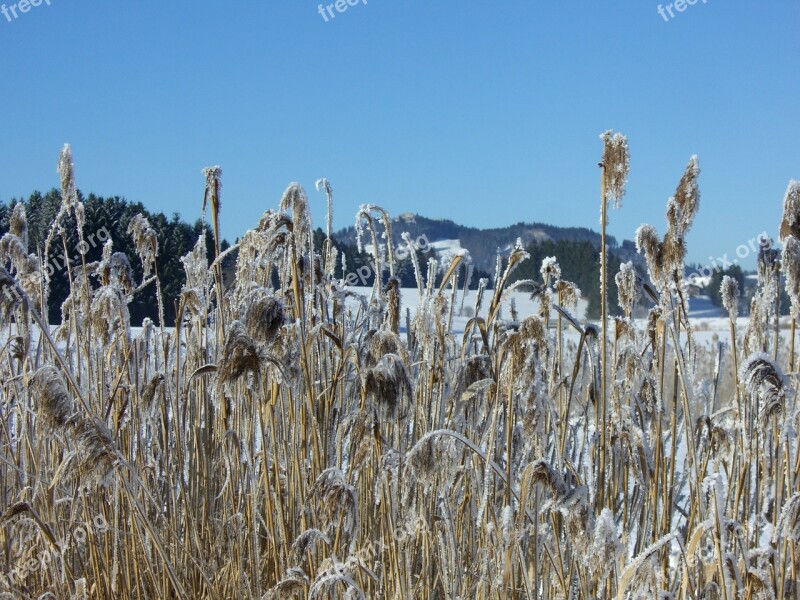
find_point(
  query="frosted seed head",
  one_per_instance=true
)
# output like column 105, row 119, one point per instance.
column 9, row 297
column 790, row 223
column 616, row 164
column 98, row 452
column 18, row 224
column 764, row 382
column 213, row 177
column 145, row 241
column 264, row 315
column 649, row 244
column 687, row 197
column 66, row 171
column 626, row 286
column 240, row 354
column 294, row 198
column 606, row 547
column 386, row 384
column 789, row 522
column 431, row 457
column 54, row 404
column 790, row 263
column 550, row 270
column 729, row 290
column 768, row 260
column 569, row 293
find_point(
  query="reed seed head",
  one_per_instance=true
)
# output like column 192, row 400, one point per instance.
column 213, row 177
column 53, row 401
column 18, row 224
column 649, row 244
column 765, row 382
column 295, row 198
column 542, row 473
column 9, row 296
column 789, row 522
column 14, row 251
column 239, row 355
column 149, row 392
column 686, row 200
column 339, row 502
column 626, row 286
column 305, row 543
column 97, row 448
column 606, row 547
column 569, row 293
column 108, row 313
column 550, row 270
column 118, row 272
column 392, row 293
column 790, row 223
column 380, row 342
column 729, row 290
column 264, row 315
column 387, row 383
column 790, row 261
column 66, row 171
column 616, row 164
column 145, row 240
column 433, row 455
column 768, row 263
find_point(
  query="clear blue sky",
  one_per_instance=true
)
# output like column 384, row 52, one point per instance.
column 484, row 112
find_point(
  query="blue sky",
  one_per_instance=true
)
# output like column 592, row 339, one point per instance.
column 487, row 113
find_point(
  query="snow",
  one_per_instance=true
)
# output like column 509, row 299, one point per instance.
column 525, row 306
column 446, row 246
column 708, row 320
column 701, row 307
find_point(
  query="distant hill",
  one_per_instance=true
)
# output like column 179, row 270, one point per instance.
column 483, row 244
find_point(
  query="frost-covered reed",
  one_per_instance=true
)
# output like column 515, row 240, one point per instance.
column 285, row 441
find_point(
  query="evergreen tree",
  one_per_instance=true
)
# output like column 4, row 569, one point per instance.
column 107, row 219
column 735, row 272
column 580, row 264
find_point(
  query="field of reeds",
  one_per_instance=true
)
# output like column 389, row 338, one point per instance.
column 289, row 440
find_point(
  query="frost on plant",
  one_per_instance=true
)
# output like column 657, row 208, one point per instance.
column 729, row 290
column 616, row 159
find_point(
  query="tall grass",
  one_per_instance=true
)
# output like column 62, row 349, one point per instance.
column 288, row 439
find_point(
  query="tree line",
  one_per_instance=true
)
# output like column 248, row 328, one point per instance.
column 108, row 219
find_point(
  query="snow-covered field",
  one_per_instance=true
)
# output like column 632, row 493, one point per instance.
column 710, row 323
column 465, row 305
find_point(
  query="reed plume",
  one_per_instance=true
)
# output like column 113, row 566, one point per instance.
column 387, row 383
column 729, row 291
column 626, row 287
column 790, row 222
column 764, row 382
column 240, row 355
column 54, row 403
column 292, row 440
column 615, row 165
